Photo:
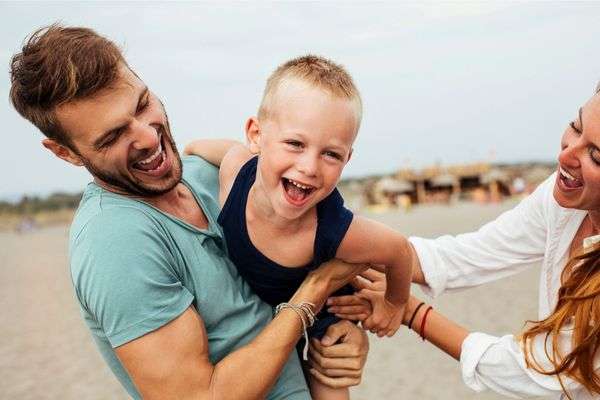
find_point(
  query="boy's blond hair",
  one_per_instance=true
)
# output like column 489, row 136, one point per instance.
column 316, row 71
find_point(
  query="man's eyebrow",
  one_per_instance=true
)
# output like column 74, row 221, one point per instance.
column 99, row 141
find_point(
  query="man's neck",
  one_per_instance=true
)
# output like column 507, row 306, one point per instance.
column 178, row 202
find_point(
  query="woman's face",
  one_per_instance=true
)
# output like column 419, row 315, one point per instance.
column 578, row 179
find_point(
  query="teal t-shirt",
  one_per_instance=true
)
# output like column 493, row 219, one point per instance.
column 135, row 268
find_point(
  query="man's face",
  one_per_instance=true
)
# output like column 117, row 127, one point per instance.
column 122, row 136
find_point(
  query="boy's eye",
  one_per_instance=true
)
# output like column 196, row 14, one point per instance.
column 294, row 143
column 333, row 154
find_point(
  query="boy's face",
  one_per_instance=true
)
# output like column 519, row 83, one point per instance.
column 303, row 145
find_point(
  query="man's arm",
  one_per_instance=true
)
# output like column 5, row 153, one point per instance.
column 173, row 362
column 212, row 150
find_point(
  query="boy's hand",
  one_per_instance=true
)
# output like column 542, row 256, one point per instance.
column 361, row 306
column 386, row 317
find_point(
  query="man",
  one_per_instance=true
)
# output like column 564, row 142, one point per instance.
column 167, row 309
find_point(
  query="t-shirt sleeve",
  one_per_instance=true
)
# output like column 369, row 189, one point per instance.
column 125, row 275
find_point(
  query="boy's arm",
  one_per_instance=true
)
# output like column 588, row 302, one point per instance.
column 212, row 150
column 371, row 242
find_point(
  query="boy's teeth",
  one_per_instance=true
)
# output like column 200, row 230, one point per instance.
column 299, row 185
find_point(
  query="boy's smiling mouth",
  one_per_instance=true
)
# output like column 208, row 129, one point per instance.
column 296, row 193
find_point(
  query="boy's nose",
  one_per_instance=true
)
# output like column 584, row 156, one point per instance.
column 307, row 165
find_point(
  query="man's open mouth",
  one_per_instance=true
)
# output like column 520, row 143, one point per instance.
column 155, row 161
column 296, row 192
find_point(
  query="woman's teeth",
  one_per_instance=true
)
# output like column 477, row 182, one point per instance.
column 568, row 179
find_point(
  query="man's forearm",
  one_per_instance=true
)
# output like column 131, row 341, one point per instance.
column 251, row 371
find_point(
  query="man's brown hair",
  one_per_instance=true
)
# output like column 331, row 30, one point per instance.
column 56, row 65
column 316, row 71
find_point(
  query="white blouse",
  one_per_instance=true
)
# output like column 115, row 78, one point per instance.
column 536, row 231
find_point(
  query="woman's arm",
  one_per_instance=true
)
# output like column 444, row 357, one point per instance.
column 212, row 150
column 486, row 361
column 514, row 241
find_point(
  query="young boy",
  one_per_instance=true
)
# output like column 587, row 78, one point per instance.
column 281, row 213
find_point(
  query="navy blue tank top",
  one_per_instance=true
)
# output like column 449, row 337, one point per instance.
column 272, row 282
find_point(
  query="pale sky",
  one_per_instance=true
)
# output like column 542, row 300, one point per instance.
column 441, row 82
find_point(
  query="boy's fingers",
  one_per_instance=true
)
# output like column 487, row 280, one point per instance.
column 356, row 309
column 372, row 274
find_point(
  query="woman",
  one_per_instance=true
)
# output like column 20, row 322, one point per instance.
column 558, row 355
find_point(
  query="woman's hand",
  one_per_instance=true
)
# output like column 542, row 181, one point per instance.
column 338, row 359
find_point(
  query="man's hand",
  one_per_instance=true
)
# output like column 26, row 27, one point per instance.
column 340, row 364
column 326, row 279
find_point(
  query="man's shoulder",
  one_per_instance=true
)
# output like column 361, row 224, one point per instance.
column 201, row 175
column 202, row 179
column 104, row 217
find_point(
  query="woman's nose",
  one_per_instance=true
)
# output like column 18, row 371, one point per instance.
column 569, row 154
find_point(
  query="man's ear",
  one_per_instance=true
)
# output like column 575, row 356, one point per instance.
column 253, row 135
column 62, row 151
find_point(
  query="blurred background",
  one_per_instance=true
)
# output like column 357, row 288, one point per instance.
column 464, row 106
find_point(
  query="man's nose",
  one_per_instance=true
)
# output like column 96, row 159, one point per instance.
column 145, row 136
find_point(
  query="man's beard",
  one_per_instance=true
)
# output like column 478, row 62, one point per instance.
column 133, row 187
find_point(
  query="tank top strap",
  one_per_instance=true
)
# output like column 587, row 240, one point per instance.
column 238, row 195
column 333, row 221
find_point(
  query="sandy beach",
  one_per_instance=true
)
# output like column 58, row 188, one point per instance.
column 46, row 351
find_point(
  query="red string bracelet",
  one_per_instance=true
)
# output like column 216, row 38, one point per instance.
column 423, row 322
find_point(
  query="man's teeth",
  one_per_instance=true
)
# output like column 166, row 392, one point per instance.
column 567, row 175
column 301, row 186
column 153, row 156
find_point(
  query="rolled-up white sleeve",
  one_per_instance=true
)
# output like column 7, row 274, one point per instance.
column 511, row 243
column 498, row 364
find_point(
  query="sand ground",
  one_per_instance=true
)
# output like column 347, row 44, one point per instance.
column 46, row 351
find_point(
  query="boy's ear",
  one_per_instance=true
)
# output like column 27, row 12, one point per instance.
column 253, row 135
column 63, row 152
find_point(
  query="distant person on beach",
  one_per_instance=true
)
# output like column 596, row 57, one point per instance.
column 557, row 226
column 167, row 309
column 282, row 215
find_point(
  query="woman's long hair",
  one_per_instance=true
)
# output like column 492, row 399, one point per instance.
column 578, row 304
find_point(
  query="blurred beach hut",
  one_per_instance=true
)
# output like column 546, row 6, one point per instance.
column 443, row 187
column 497, row 183
column 389, row 189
